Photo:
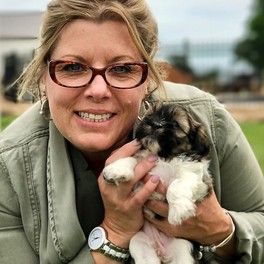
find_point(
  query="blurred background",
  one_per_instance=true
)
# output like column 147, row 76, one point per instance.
column 217, row 46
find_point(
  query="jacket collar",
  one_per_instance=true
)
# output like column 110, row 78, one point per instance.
column 66, row 232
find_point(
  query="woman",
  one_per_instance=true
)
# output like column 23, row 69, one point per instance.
column 93, row 71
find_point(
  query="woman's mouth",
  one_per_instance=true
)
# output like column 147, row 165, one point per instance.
column 95, row 117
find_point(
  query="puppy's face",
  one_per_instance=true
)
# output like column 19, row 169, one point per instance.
column 169, row 130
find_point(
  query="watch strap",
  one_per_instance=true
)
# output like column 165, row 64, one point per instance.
column 114, row 252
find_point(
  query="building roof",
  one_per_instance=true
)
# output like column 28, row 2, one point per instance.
column 19, row 25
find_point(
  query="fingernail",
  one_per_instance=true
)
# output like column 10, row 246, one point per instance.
column 155, row 178
column 136, row 143
column 152, row 158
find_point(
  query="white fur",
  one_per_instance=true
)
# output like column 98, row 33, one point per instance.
column 183, row 178
column 121, row 170
column 142, row 250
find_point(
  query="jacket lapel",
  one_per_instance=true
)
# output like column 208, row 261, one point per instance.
column 67, row 235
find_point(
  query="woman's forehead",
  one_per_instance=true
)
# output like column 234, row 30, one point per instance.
column 90, row 39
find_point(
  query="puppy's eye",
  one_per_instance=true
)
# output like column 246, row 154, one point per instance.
column 176, row 125
column 171, row 125
column 156, row 124
column 153, row 123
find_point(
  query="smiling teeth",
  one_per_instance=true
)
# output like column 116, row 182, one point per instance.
column 94, row 117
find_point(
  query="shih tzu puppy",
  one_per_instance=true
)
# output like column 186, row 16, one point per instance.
column 179, row 141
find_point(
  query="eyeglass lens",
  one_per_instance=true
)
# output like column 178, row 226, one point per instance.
column 73, row 74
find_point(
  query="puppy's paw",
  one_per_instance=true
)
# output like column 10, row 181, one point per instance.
column 121, row 170
column 181, row 211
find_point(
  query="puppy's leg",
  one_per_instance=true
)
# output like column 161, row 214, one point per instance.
column 180, row 199
column 185, row 190
column 181, row 205
column 121, row 170
column 141, row 249
column 180, row 251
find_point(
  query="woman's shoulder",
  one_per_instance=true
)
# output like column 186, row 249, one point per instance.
column 177, row 92
column 202, row 104
column 24, row 129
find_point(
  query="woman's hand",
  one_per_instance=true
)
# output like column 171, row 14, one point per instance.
column 211, row 225
column 123, row 207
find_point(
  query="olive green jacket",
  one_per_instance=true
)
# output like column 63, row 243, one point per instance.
column 38, row 218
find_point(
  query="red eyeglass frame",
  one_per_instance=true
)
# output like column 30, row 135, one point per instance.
column 97, row 71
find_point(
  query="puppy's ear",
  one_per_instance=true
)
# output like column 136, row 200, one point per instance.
column 154, row 107
column 182, row 117
column 198, row 138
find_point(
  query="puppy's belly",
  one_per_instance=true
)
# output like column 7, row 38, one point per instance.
column 160, row 241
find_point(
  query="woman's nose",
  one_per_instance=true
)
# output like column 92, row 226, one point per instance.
column 98, row 88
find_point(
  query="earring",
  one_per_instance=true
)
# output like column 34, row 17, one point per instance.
column 146, row 106
column 44, row 108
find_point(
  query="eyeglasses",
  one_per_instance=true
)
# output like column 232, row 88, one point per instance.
column 71, row 74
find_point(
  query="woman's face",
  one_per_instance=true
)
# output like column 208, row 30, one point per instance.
column 97, row 45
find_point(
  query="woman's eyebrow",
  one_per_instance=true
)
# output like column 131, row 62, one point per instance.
column 110, row 60
column 72, row 57
column 123, row 58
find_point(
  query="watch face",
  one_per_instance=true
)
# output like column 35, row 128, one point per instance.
column 96, row 238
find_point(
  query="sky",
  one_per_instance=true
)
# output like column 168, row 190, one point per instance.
column 178, row 20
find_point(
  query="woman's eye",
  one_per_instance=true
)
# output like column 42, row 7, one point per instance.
column 121, row 69
column 72, row 67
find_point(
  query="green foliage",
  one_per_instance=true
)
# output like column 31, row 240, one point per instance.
column 251, row 48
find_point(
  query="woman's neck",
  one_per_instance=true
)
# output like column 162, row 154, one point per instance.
column 96, row 161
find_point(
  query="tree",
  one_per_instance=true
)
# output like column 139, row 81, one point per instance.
column 251, row 48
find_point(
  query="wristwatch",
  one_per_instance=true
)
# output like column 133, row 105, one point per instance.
column 98, row 241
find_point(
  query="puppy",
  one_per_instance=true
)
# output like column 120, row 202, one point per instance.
column 179, row 141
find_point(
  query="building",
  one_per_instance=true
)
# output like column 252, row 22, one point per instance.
column 18, row 35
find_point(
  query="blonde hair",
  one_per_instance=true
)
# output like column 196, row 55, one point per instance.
column 135, row 13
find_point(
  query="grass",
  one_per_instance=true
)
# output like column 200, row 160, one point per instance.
column 255, row 135
column 253, row 131
column 5, row 120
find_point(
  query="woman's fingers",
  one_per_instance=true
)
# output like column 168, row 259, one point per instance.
column 142, row 195
column 164, row 226
column 125, row 190
column 161, row 187
column 158, row 207
column 210, row 224
column 143, row 168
